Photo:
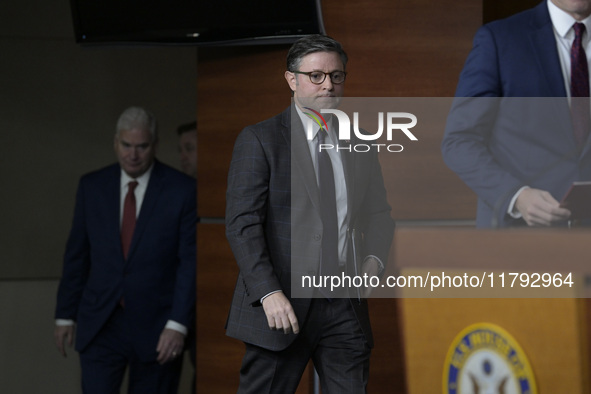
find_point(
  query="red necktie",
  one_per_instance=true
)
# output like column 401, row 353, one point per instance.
column 579, row 86
column 128, row 223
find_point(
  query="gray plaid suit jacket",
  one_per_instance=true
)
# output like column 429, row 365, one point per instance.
column 272, row 204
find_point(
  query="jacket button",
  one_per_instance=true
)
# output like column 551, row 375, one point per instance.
column 317, row 237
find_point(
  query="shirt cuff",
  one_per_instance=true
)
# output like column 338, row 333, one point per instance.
column 176, row 326
column 512, row 211
column 381, row 267
column 64, row 322
column 273, row 292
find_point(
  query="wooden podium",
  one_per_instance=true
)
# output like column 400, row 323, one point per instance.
column 551, row 331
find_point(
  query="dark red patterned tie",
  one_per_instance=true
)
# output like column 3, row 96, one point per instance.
column 579, row 86
column 128, row 223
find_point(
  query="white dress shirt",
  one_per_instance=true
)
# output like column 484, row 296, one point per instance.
column 340, row 183
column 339, row 178
column 565, row 35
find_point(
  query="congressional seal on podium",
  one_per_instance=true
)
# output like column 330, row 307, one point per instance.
column 486, row 359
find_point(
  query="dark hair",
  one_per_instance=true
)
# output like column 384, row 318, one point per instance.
column 187, row 127
column 311, row 44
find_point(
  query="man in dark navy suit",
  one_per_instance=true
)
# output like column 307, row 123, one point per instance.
column 520, row 154
column 128, row 283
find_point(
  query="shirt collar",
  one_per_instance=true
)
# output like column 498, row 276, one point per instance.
column 141, row 180
column 563, row 22
column 315, row 127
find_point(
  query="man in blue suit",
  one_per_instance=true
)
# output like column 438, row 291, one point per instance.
column 128, row 283
column 520, row 154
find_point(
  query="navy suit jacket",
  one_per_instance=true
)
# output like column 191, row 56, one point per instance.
column 501, row 135
column 274, row 227
column 157, row 281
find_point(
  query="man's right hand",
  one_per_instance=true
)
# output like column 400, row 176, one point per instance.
column 539, row 208
column 280, row 314
column 63, row 335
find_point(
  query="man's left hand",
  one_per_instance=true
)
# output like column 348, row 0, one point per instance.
column 170, row 345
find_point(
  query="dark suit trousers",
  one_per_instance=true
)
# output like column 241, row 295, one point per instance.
column 106, row 358
column 331, row 337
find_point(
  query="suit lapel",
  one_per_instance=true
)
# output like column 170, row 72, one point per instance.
column 113, row 201
column 586, row 147
column 155, row 185
column 302, row 168
column 548, row 62
column 348, row 159
column 547, row 58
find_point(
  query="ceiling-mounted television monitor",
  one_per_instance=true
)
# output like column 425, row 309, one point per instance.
column 195, row 22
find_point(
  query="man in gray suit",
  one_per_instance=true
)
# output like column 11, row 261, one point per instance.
column 277, row 226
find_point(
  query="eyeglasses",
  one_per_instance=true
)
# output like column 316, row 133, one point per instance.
column 318, row 77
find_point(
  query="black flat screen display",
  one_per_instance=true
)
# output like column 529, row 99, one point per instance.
column 195, row 22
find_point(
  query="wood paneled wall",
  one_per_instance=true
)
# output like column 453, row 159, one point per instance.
column 396, row 49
